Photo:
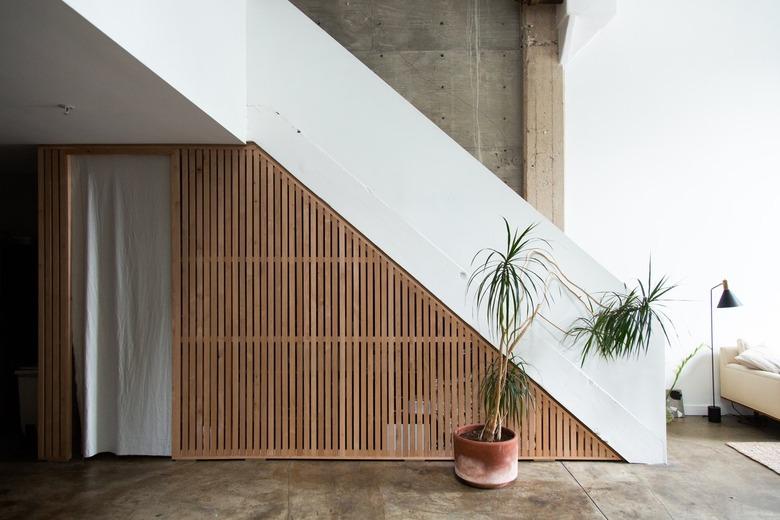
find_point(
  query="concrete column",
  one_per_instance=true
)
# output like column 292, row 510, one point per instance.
column 542, row 112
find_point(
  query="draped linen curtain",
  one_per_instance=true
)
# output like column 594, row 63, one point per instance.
column 121, row 312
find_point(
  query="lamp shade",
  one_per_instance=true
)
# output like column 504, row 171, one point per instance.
column 727, row 299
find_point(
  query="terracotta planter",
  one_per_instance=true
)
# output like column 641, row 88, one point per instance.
column 485, row 464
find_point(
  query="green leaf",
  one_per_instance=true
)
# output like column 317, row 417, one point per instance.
column 623, row 324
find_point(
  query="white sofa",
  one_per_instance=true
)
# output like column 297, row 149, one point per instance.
column 755, row 389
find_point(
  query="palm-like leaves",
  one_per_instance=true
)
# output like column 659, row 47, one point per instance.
column 509, row 285
column 624, row 323
column 509, row 282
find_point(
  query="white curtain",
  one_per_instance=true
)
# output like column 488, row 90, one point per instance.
column 121, row 316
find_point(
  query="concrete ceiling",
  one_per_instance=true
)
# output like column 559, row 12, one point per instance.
column 50, row 55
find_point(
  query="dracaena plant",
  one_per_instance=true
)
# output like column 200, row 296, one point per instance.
column 511, row 286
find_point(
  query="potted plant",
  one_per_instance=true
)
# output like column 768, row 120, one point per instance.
column 510, row 286
column 674, row 397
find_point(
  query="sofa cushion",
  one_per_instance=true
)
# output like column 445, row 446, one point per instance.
column 759, row 359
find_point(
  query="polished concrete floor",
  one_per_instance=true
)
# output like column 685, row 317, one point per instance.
column 704, row 479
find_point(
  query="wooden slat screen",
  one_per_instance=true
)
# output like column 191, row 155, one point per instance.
column 295, row 337
column 54, row 346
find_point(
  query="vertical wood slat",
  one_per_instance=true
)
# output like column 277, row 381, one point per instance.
column 42, row 314
column 56, row 311
column 214, row 300
column 199, row 297
column 48, row 424
column 205, row 431
column 66, row 346
column 183, row 401
column 176, row 307
column 191, row 303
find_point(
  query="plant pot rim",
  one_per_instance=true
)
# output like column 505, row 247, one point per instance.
column 459, row 431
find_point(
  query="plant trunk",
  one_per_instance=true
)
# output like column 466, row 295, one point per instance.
column 492, row 430
column 489, row 430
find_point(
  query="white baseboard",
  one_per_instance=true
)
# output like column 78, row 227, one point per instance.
column 726, row 408
column 701, row 409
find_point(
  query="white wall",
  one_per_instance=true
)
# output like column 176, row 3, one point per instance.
column 197, row 46
column 430, row 206
column 673, row 149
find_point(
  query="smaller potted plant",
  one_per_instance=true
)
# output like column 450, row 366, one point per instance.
column 674, row 396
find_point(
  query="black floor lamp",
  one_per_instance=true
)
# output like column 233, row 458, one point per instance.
column 727, row 301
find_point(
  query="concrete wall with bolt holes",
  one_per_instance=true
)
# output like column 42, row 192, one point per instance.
column 458, row 62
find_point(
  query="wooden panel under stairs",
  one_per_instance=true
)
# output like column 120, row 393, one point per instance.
column 295, row 337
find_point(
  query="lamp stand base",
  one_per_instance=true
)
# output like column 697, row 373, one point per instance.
column 713, row 414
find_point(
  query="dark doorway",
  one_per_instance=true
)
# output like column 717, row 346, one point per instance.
column 18, row 301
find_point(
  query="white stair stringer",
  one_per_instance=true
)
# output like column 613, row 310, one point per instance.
column 429, row 205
